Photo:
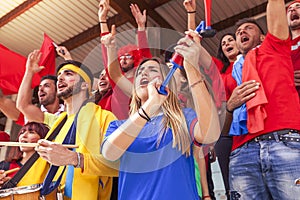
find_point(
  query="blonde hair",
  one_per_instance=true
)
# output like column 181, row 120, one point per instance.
column 173, row 115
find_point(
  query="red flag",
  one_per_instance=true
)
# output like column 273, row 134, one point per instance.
column 12, row 68
column 48, row 56
column 47, row 60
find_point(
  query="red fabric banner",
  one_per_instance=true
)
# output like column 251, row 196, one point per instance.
column 12, row 66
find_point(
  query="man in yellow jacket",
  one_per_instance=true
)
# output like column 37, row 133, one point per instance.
column 87, row 176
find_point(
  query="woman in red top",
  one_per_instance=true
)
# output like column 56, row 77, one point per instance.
column 226, row 55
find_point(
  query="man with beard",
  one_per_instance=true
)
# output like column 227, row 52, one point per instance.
column 47, row 98
column 86, row 124
column 264, row 160
column 129, row 56
column 293, row 17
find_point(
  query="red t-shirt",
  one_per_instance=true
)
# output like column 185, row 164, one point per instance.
column 228, row 80
column 117, row 102
column 275, row 69
column 105, row 101
column 14, row 165
column 295, row 54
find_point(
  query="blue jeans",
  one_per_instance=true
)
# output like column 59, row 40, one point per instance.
column 265, row 170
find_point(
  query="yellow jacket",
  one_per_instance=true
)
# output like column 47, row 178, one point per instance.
column 91, row 126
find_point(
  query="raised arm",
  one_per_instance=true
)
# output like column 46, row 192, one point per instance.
column 277, row 24
column 207, row 130
column 102, row 14
column 190, row 7
column 113, row 68
column 30, row 111
column 141, row 19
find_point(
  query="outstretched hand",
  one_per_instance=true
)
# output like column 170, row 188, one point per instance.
column 109, row 39
column 140, row 17
column 32, row 64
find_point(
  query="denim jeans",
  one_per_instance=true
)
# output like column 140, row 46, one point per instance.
column 265, row 170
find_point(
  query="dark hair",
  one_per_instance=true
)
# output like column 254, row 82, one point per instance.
column 51, row 77
column 40, row 128
column 248, row 20
column 220, row 54
column 14, row 153
column 169, row 52
column 79, row 65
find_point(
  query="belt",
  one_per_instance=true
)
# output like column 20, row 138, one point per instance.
column 279, row 136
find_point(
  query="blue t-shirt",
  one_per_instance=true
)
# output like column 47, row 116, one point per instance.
column 155, row 170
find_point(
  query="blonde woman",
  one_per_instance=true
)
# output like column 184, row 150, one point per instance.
column 154, row 143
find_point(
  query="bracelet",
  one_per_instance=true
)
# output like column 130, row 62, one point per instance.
column 197, row 82
column 142, row 116
column 206, row 196
column 148, row 118
column 231, row 112
column 103, row 22
column 191, row 11
column 78, row 160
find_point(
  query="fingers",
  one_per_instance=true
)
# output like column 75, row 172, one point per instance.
column 38, row 55
column 242, row 94
column 103, row 9
column 134, row 10
column 109, row 39
column 154, row 85
column 35, row 54
column 187, row 4
column 61, row 50
column 297, row 77
column 249, row 87
column 45, row 143
column 194, row 35
column 113, row 30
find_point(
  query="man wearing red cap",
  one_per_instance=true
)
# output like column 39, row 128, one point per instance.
column 293, row 17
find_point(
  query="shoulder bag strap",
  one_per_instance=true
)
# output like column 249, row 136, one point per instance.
column 19, row 175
